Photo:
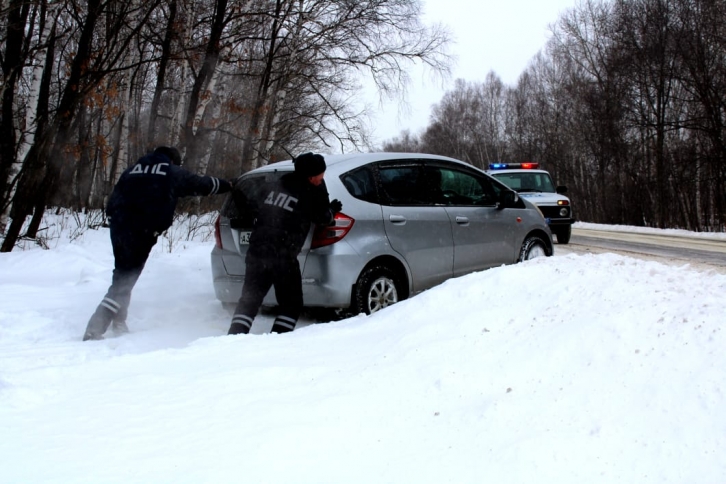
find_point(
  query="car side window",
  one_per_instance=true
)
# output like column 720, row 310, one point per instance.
column 401, row 185
column 462, row 188
column 361, row 184
column 544, row 183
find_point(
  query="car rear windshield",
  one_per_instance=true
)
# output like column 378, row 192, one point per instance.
column 250, row 186
column 361, row 184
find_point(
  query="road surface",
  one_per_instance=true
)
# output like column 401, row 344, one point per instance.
column 700, row 253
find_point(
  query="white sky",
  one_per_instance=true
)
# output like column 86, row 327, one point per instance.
column 571, row 369
column 502, row 36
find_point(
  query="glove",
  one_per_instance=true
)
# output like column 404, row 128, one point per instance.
column 336, row 206
column 224, row 186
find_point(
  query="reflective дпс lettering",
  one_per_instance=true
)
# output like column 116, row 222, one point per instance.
column 282, row 200
column 158, row 169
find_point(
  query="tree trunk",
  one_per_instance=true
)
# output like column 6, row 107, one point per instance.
column 55, row 140
column 203, row 85
column 163, row 65
column 12, row 62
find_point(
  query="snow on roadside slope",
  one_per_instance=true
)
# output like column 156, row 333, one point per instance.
column 650, row 230
column 568, row 369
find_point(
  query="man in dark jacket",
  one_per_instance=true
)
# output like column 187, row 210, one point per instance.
column 140, row 208
column 285, row 213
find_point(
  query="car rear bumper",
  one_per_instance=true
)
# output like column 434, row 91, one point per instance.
column 325, row 283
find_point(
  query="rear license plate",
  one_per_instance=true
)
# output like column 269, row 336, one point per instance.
column 244, row 238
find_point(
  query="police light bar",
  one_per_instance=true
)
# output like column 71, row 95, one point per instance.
column 504, row 166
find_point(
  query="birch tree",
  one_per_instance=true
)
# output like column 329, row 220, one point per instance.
column 47, row 18
column 91, row 62
column 12, row 61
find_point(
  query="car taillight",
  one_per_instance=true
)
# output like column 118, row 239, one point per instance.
column 330, row 234
column 217, row 234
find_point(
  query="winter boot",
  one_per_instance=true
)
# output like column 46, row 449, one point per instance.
column 90, row 335
column 283, row 324
column 241, row 324
column 99, row 323
column 119, row 327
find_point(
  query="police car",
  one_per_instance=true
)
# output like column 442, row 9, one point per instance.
column 536, row 186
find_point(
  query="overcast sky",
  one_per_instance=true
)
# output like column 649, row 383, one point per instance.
column 499, row 36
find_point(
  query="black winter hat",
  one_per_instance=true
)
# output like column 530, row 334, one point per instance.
column 309, row 164
column 170, row 152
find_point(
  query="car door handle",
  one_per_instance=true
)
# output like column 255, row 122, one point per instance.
column 397, row 219
column 462, row 220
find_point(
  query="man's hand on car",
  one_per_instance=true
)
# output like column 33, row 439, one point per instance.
column 336, row 206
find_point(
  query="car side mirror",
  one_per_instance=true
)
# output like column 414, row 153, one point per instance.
column 561, row 189
column 508, row 199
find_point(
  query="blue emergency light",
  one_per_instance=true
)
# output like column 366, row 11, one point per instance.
column 504, row 166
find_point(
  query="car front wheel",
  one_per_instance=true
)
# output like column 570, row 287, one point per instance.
column 532, row 248
column 376, row 289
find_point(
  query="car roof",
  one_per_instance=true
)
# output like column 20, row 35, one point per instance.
column 341, row 163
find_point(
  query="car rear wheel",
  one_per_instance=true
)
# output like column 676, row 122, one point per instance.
column 563, row 234
column 376, row 289
column 532, row 248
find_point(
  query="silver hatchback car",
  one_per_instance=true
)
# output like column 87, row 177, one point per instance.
column 409, row 222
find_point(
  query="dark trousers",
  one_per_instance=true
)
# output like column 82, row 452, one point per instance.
column 261, row 273
column 131, row 248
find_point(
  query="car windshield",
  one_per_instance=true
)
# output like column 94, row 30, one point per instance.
column 527, row 182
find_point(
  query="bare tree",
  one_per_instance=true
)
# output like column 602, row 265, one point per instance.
column 625, row 104
column 405, row 143
column 236, row 84
column 52, row 152
column 701, row 48
column 13, row 58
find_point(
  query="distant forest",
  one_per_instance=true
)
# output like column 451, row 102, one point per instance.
column 626, row 104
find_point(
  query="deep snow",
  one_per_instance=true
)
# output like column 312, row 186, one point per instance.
column 571, row 369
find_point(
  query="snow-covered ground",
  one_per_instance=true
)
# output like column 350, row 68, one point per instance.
column 571, row 369
column 648, row 230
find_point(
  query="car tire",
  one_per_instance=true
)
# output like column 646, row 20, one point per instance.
column 564, row 234
column 377, row 288
column 532, row 248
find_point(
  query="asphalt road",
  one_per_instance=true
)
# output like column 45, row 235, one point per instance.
column 676, row 249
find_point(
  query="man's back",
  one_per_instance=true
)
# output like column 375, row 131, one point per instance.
column 287, row 208
column 146, row 194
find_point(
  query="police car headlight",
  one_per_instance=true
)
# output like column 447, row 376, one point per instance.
column 563, row 212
